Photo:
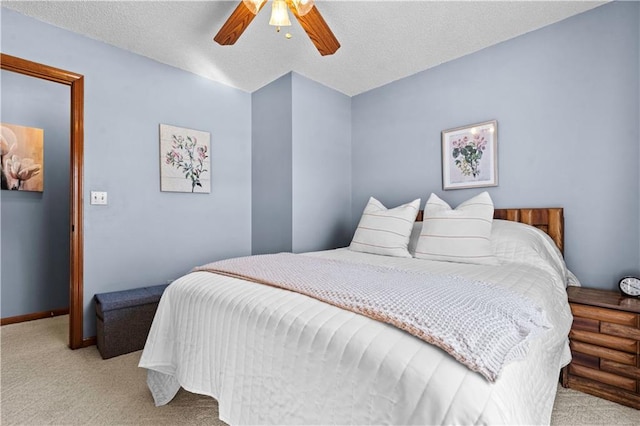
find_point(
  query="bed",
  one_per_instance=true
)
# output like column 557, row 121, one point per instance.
column 272, row 356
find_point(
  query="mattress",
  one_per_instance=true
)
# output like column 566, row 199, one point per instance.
column 271, row 356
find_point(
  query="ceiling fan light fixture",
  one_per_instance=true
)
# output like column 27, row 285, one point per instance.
column 305, row 12
column 279, row 14
column 253, row 5
column 302, row 6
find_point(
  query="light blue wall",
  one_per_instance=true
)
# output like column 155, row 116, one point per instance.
column 301, row 166
column 144, row 236
column 271, row 180
column 321, row 166
column 35, row 225
column 566, row 101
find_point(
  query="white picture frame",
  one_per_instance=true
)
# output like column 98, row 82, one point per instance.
column 185, row 160
column 470, row 156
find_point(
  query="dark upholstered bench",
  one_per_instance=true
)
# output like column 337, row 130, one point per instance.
column 124, row 319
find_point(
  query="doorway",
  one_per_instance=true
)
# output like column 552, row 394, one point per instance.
column 76, row 86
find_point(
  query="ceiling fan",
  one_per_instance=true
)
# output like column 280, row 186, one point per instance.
column 305, row 12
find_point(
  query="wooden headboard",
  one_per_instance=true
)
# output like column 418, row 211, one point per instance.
column 550, row 220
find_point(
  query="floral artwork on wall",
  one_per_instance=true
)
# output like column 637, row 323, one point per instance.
column 470, row 156
column 185, row 165
column 21, row 158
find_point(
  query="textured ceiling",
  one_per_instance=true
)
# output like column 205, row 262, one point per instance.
column 382, row 41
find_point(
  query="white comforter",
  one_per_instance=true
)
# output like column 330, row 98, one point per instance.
column 272, row 356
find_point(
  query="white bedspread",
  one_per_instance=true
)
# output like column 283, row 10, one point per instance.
column 273, row 356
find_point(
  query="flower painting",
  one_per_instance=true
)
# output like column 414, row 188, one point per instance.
column 21, row 158
column 185, row 165
column 470, row 156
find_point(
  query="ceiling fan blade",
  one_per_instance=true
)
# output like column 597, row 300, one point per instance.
column 317, row 29
column 236, row 24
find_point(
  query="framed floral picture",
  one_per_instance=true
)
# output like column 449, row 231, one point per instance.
column 470, row 156
column 185, row 165
column 21, row 158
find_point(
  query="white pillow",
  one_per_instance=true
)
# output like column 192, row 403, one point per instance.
column 385, row 231
column 521, row 243
column 461, row 235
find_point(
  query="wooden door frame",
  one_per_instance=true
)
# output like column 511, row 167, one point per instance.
column 76, row 83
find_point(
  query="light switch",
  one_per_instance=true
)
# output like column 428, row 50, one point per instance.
column 99, row 198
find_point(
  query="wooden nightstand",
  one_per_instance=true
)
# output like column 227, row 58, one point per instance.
column 605, row 345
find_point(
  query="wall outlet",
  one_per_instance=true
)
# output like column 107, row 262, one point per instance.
column 99, row 198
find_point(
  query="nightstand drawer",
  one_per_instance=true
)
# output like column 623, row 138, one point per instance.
column 620, row 330
column 586, row 324
column 621, row 369
column 600, row 352
column 603, row 377
column 620, row 343
column 586, row 360
column 602, row 390
column 602, row 314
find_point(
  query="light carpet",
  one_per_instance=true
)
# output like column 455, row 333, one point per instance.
column 45, row 383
